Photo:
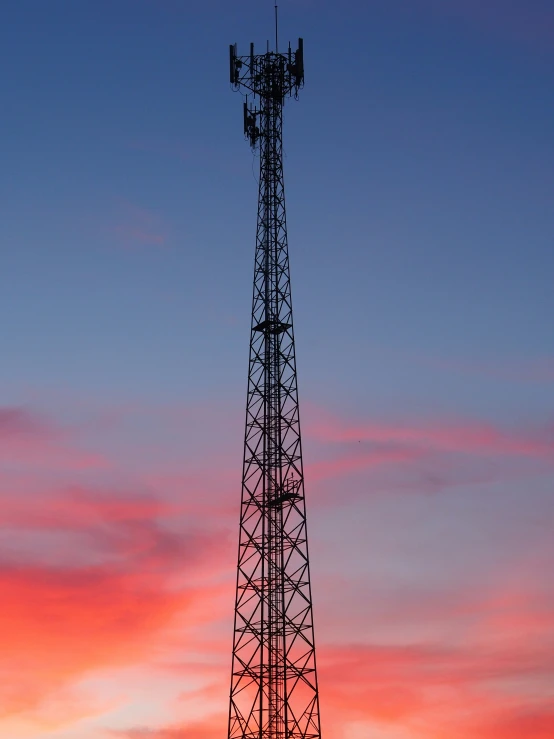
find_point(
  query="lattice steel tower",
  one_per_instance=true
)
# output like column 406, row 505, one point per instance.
column 274, row 692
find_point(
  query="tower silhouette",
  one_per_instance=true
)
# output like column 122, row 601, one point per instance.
column 274, row 690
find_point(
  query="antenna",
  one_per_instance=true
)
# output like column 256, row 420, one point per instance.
column 234, row 65
column 276, row 28
column 299, row 63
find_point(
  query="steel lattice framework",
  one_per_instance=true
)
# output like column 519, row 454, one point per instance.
column 274, row 691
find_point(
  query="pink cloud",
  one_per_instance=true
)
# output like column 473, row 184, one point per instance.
column 30, row 440
column 478, row 438
column 206, row 730
column 175, row 149
column 80, row 508
column 429, row 456
column 16, row 420
column 539, row 370
column 532, row 23
column 350, row 463
column 139, row 226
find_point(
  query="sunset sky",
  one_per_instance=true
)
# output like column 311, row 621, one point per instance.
column 420, row 176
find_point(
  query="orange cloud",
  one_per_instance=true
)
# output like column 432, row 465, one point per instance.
column 525, row 722
column 424, row 687
column 56, row 625
column 134, row 568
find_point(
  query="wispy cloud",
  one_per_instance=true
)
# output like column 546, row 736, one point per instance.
column 510, row 369
column 473, row 437
column 29, row 440
column 426, row 456
column 528, row 22
column 163, row 146
column 539, row 370
column 138, row 226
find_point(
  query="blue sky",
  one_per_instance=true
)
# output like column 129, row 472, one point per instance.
column 419, row 166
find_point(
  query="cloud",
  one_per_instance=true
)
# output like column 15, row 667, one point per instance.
column 539, row 370
column 476, row 438
column 30, row 440
column 475, row 683
column 531, row 23
column 530, row 721
column 92, row 578
column 162, row 146
column 421, row 687
column 349, row 463
column 61, row 625
column 138, row 226
column 183, row 731
column 209, row 729
column 16, row 420
column 103, row 572
column 535, row 370
column 429, row 456
column 95, row 570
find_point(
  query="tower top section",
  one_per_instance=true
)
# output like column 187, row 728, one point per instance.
column 271, row 76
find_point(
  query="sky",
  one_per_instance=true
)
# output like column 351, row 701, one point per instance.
column 419, row 167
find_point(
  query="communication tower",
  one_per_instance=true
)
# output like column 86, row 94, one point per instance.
column 274, row 690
